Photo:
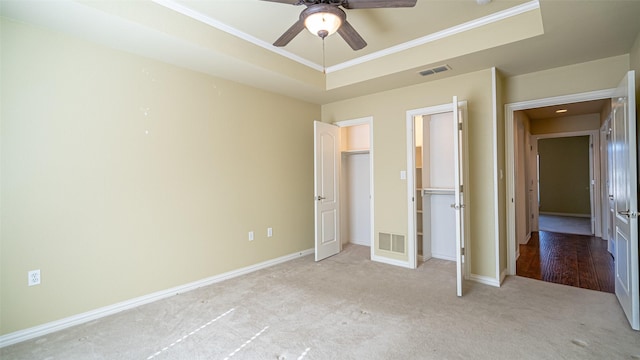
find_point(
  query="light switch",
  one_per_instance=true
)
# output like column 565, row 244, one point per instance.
column 403, row 175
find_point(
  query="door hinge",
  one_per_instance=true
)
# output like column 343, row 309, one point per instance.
column 461, row 188
column 460, row 126
column 461, row 251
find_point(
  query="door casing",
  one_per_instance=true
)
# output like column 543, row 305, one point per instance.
column 510, row 157
column 361, row 121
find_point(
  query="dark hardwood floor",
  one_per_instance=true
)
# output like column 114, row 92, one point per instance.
column 574, row 260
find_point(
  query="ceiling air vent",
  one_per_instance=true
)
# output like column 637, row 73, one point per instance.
column 435, row 70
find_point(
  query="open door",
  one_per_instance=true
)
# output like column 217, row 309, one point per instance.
column 326, row 189
column 625, row 192
column 458, row 205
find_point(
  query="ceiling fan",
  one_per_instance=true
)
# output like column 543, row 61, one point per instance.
column 324, row 17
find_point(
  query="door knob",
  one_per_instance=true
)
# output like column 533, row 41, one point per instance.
column 320, row 197
column 628, row 213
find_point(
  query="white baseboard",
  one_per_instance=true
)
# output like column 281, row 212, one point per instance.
column 443, row 257
column 361, row 242
column 484, row 280
column 44, row 329
column 503, row 275
column 385, row 260
column 526, row 239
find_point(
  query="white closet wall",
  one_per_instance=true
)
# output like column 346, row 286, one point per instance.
column 438, row 217
column 357, row 198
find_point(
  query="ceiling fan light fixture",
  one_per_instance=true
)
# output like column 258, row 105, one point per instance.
column 323, row 20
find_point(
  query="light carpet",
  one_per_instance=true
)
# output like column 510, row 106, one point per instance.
column 565, row 224
column 347, row 307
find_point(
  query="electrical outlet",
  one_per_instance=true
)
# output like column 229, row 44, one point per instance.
column 269, row 232
column 34, row 277
column 250, row 235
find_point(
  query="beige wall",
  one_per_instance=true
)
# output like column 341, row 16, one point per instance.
column 110, row 212
column 566, row 124
column 122, row 176
column 564, row 175
column 573, row 79
column 390, row 148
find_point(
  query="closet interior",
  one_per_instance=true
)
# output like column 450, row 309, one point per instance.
column 355, row 185
column 434, row 179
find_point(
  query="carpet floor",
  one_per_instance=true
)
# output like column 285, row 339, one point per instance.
column 348, row 307
column 565, row 224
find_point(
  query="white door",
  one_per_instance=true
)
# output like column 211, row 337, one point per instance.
column 326, row 188
column 459, row 204
column 625, row 191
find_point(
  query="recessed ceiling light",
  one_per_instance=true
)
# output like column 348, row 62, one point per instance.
column 561, row 111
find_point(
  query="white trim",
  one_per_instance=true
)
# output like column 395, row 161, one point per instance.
column 444, row 257
column 559, row 100
column 411, row 188
column 487, row 280
column 354, row 122
column 389, row 261
column 412, row 261
column 503, row 275
column 496, row 172
column 470, row 25
column 509, row 145
column 44, row 329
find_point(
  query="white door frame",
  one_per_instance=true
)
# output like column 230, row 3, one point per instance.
column 594, row 173
column 510, row 158
column 412, row 248
column 362, row 121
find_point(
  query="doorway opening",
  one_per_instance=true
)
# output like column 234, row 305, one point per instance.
column 436, row 174
column 356, row 182
column 619, row 191
column 564, row 194
column 557, row 194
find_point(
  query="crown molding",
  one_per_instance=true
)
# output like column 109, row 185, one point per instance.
column 470, row 25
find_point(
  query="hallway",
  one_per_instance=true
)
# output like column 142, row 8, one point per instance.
column 574, row 260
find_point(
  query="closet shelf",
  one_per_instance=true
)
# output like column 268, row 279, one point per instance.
column 438, row 191
column 355, row 151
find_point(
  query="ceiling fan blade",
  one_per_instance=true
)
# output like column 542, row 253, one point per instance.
column 372, row 4
column 290, row 2
column 288, row 35
column 351, row 36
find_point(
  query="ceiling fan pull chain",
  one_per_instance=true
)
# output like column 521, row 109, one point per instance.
column 324, row 66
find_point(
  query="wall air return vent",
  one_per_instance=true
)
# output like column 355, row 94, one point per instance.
column 435, row 70
column 392, row 242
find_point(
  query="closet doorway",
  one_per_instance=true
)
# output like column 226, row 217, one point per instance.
column 356, row 181
column 436, row 178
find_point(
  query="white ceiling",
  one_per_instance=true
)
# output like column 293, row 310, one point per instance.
column 232, row 38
